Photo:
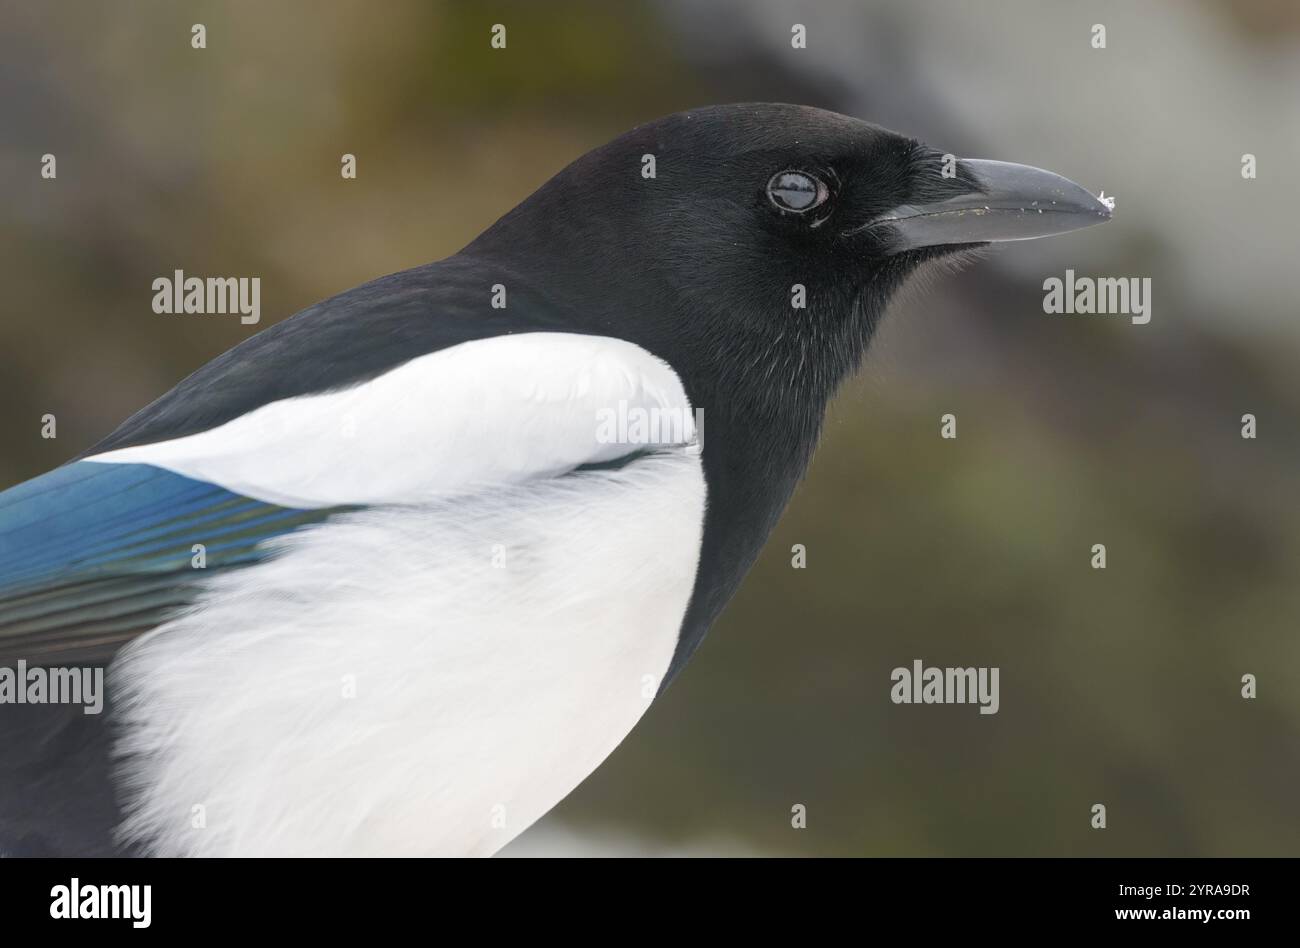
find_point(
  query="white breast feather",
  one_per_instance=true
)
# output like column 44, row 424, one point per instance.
column 483, row 694
column 426, row 677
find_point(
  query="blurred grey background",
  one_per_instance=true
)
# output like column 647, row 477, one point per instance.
column 1119, row 686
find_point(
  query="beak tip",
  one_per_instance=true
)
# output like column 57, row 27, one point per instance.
column 1105, row 207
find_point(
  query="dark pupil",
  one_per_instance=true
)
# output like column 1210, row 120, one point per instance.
column 795, row 191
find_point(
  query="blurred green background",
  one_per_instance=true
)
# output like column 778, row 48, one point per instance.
column 1119, row 686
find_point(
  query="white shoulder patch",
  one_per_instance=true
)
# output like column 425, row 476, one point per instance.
column 494, row 411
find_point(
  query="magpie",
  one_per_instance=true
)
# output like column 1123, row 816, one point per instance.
column 394, row 575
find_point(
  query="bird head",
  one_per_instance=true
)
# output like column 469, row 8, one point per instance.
column 756, row 246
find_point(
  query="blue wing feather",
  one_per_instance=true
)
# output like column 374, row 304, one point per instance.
column 94, row 554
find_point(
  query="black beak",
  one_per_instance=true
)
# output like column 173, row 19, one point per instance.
column 1015, row 202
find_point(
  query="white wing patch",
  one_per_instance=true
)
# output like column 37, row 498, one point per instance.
column 495, row 411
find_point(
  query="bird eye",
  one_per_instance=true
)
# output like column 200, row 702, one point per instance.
column 796, row 191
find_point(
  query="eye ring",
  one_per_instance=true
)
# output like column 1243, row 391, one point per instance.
column 796, row 192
